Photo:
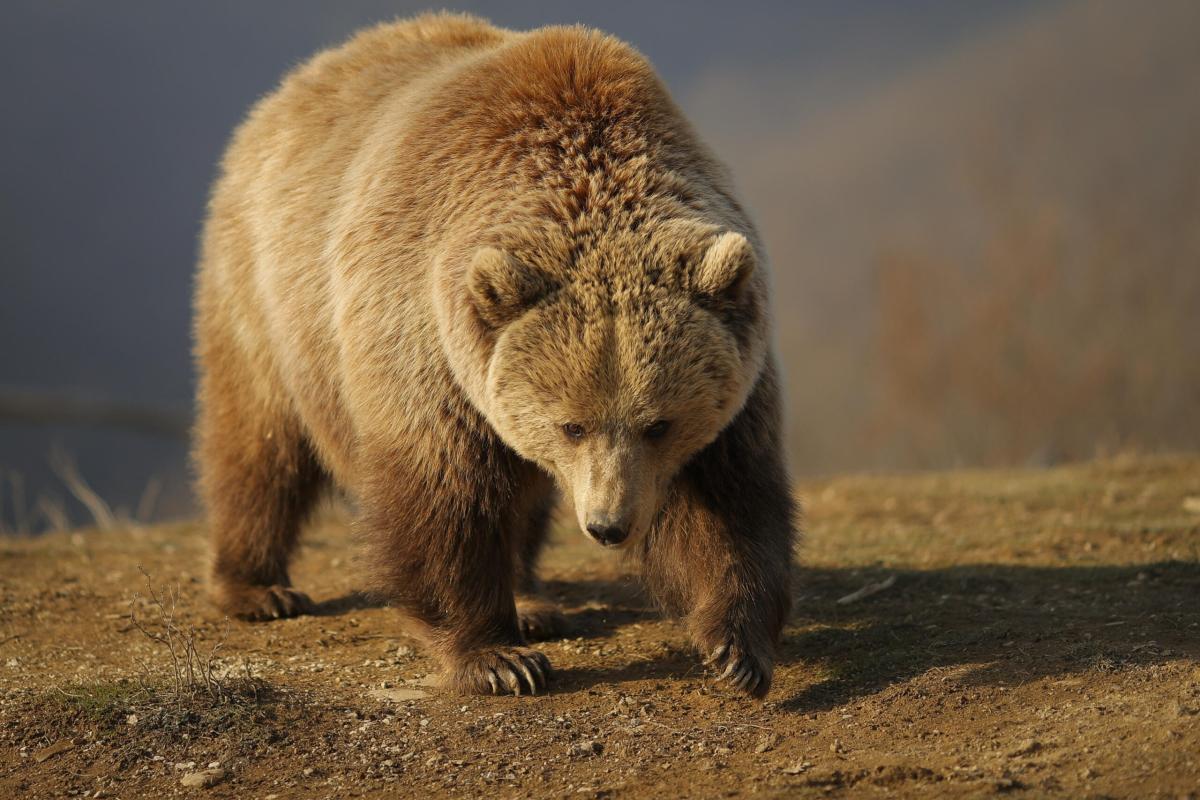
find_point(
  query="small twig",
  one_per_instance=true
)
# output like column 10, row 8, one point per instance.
column 168, row 635
column 216, row 687
column 867, row 591
column 144, row 676
column 746, row 725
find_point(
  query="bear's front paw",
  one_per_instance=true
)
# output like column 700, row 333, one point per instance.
column 501, row 670
column 741, row 667
column 260, row 603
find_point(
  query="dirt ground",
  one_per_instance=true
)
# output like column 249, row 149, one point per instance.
column 1041, row 638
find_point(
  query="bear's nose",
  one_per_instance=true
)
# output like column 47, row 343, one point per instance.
column 607, row 535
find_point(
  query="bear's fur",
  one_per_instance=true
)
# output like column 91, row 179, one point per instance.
column 447, row 266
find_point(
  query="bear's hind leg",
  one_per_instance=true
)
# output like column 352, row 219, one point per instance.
column 259, row 479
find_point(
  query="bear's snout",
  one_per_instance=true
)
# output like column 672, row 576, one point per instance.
column 607, row 535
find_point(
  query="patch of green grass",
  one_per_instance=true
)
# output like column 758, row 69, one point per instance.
column 128, row 718
column 107, row 704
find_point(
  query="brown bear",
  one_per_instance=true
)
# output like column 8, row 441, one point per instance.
column 450, row 268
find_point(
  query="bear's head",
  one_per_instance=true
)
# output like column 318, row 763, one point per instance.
column 613, row 371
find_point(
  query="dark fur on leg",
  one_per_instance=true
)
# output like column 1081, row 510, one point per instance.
column 720, row 553
column 441, row 542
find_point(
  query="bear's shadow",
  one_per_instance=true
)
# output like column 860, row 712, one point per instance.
column 1003, row 625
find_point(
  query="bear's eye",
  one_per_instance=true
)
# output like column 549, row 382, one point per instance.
column 658, row 429
column 574, row 431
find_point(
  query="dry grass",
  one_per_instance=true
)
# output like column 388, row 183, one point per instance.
column 21, row 515
column 64, row 467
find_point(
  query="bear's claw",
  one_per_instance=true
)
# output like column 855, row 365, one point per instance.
column 742, row 669
column 514, row 670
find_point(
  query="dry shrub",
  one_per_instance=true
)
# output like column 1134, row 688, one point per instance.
column 193, row 672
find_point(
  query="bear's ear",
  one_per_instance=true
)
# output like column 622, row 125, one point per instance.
column 725, row 268
column 502, row 287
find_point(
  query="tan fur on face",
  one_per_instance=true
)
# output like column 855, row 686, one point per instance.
column 427, row 250
column 615, row 366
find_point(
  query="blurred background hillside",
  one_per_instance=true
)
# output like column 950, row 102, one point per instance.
column 984, row 218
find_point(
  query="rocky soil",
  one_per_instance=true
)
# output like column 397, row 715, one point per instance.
column 1035, row 633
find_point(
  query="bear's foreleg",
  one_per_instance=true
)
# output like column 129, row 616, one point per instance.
column 442, row 551
column 720, row 552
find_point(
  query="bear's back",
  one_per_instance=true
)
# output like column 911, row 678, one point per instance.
column 329, row 101
column 264, row 287
column 347, row 194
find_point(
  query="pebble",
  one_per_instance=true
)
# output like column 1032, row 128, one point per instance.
column 585, row 749
column 205, row 779
column 766, row 742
